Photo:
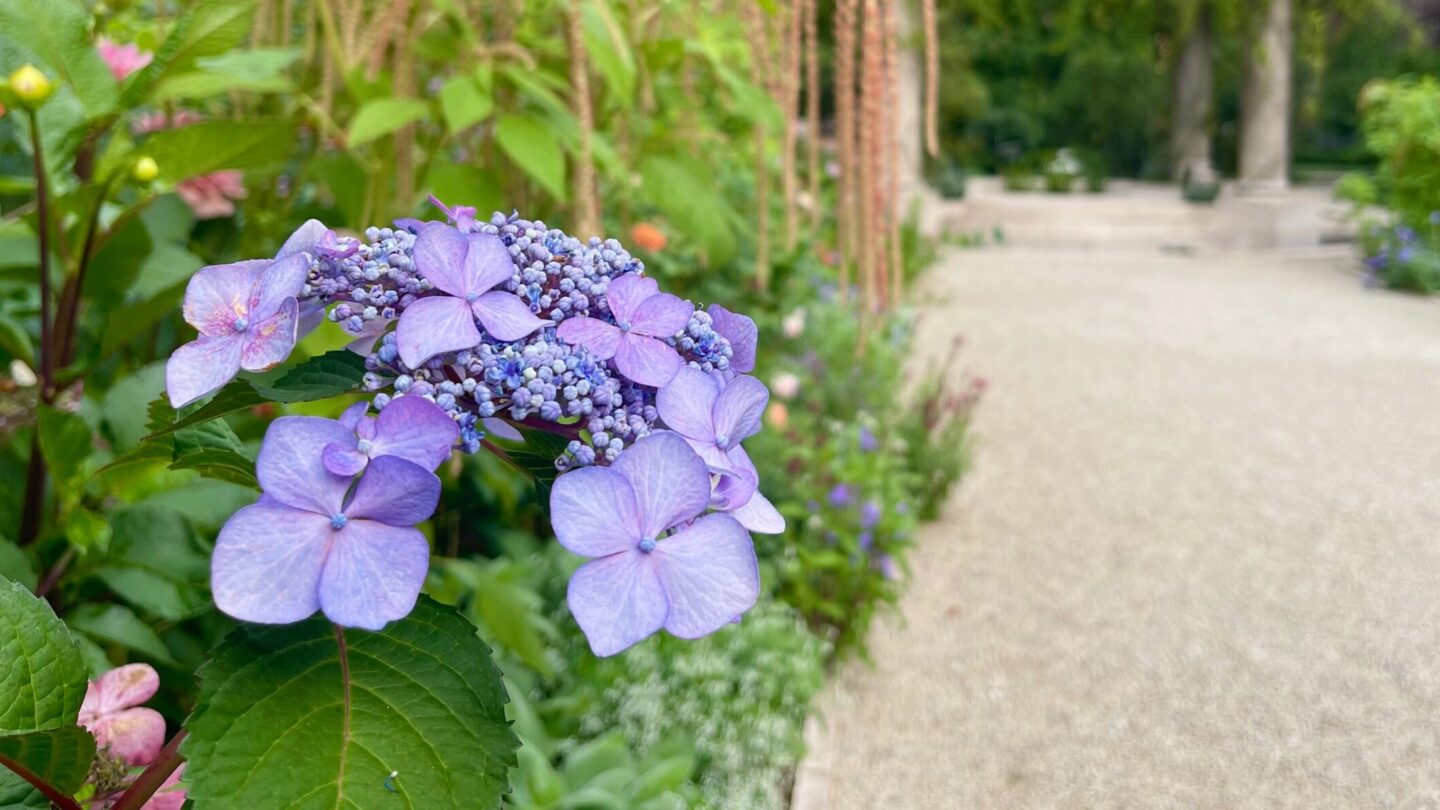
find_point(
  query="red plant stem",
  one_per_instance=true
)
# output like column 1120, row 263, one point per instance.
column 56, row 571
column 51, row 792
column 35, row 471
column 68, row 312
column 153, row 777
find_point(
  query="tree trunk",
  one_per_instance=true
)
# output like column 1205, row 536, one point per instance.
column 1265, row 104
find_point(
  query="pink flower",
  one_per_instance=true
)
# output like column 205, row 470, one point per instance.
column 170, row 796
column 112, row 713
column 122, row 59
column 156, row 121
column 212, row 196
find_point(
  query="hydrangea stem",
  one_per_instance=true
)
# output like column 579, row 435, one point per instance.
column 35, row 471
column 56, row 797
column 153, row 777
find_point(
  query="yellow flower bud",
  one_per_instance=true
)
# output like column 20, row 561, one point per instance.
column 146, row 169
column 30, row 87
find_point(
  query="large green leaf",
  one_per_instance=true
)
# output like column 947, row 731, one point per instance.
column 214, row 145
column 57, row 33
column 383, row 116
column 42, row 679
column 58, row 756
column 284, row 719
column 609, row 51
column 533, row 146
column 213, row 450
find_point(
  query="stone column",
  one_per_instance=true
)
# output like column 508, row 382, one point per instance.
column 1194, row 91
column 1265, row 104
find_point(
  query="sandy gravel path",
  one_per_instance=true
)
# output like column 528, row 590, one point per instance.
column 1198, row 562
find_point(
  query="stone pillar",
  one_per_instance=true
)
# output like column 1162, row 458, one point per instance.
column 1265, row 104
column 1194, row 90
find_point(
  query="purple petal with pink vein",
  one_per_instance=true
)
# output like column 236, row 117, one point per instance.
column 686, row 404
column 594, row 334
column 624, row 294
column 709, row 573
column 202, row 367
column 220, row 293
column 505, row 316
column 487, row 263
column 415, row 429
column 646, row 360
column 440, row 258
column 593, row 512
column 738, row 409
column 742, row 334
column 394, row 491
column 269, row 342
column 617, row 601
column 670, row 481
column 291, row 464
column 661, row 315
column 373, row 574
column 267, row 562
column 432, row 326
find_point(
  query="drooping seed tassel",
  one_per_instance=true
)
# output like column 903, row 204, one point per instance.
column 932, row 77
column 812, row 107
column 847, row 218
column 872, row 91
column 759, row 62
column 587, row 213
column 891, row 155
column 790, row 106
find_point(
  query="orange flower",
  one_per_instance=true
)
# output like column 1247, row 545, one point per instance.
column 648, row 237
column 778, row 415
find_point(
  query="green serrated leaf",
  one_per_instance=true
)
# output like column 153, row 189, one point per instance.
column 534, row 149
column 210, row 146
column 59, row 756
column 281, row 716
column 42, row 679
column 220, row 464
column 327, row 375
column 383, row 116
column 117, row 624
column 536, row 457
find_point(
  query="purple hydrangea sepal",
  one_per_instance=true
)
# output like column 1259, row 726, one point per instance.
column 737, row 492
column 644, row 316
column 691, row 582
column 742, row 334
column 468, row 267
column 306, row 546
column 247, row 317
column 412, row 428
column 714, row 416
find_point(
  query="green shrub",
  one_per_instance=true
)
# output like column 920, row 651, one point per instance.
column 1402, row 128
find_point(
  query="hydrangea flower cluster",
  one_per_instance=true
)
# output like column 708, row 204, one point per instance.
column 471, row 329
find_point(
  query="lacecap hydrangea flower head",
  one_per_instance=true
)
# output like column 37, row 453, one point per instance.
column 474, row 331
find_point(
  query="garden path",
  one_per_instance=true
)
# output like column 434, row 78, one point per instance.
column 1197, row 563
